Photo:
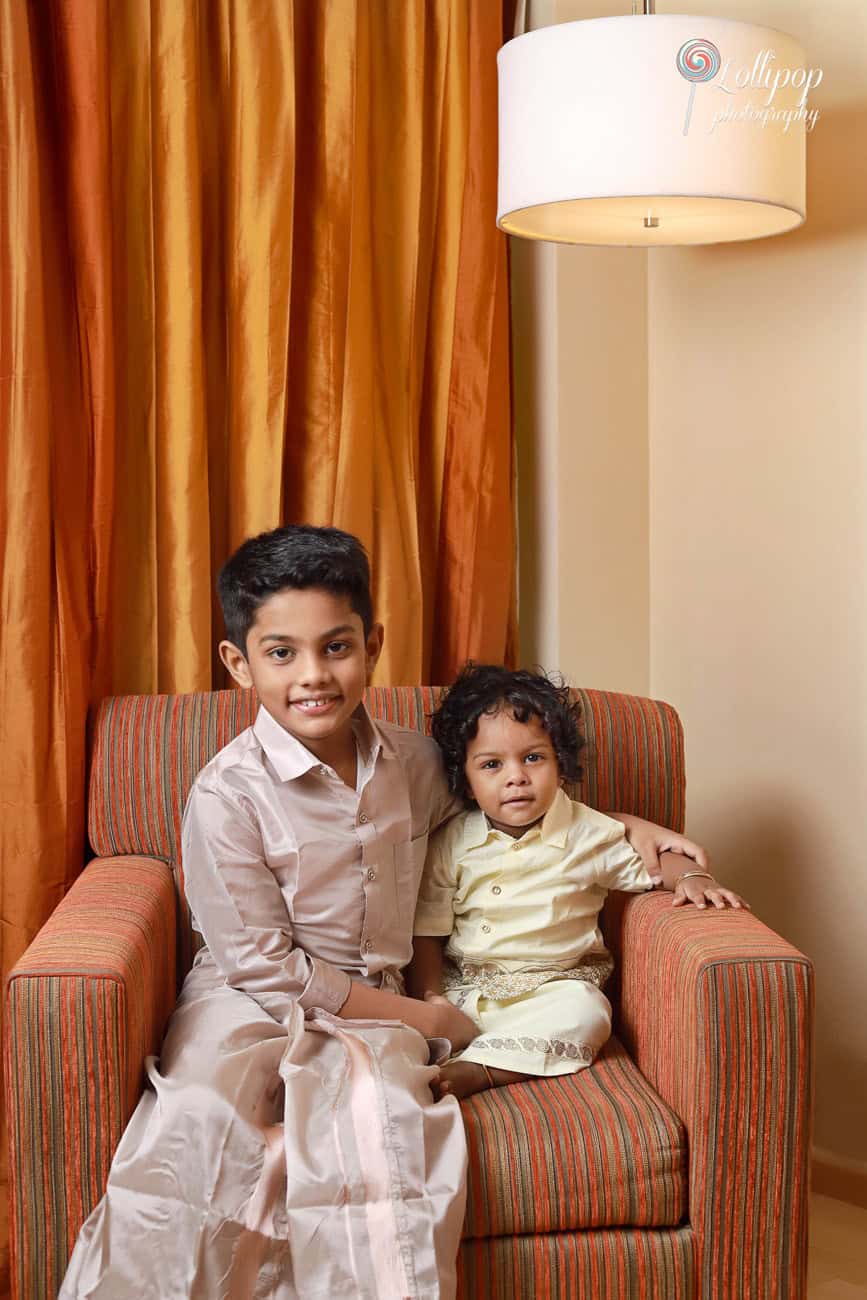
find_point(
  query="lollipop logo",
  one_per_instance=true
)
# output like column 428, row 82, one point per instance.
column 697, row 61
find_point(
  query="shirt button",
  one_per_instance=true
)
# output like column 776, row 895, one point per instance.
column 363, row 818
column 495, row 889
column 368, row 945
column 486, row 929
column 371, row 875
column 323, row 771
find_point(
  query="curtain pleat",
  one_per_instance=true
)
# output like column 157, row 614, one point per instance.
column 249, row 274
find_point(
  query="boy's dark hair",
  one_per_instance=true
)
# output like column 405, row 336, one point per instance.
column 488, row 688
column 296, row 556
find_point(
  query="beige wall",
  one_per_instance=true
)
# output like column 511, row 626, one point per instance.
column 582, row 462
column 582, row 449
column 751, row 569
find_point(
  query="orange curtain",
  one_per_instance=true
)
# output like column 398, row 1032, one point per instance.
column 249, row 273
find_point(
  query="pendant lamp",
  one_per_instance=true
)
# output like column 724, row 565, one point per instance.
column 652, row 129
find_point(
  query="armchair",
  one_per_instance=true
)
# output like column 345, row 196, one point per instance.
column 675, row 1167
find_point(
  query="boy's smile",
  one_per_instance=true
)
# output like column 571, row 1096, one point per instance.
column 512, row 771
column 309, row 660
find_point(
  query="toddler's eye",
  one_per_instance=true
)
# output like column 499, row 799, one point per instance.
column 489, row 764
column 535, row 758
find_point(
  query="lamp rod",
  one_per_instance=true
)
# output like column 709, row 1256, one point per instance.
column 644, row 6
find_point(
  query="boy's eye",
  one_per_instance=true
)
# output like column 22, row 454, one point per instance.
column 337, row 647
column 281, row 653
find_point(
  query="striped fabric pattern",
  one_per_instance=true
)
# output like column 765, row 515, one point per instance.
column 738, row 1005
column 593, row 1149
column 633, row 757
column 601, row 1265
column 88, row 1001
column 147, row 750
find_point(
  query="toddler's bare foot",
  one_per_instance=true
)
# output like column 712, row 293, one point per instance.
column 461, row 1079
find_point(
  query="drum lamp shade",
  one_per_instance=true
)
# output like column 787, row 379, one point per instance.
column 652, row 129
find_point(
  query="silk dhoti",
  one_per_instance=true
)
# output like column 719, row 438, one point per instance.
column 276, row 1161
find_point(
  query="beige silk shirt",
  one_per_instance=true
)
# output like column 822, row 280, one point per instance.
column 526, row 903
column 300, row 884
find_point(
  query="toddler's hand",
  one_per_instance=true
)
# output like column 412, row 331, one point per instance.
column 439, row 1087
column 451, row 1023
column 701, row 890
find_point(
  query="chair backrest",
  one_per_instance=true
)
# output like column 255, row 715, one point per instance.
column 147, row 749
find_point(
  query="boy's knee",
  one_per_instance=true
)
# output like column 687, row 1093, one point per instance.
column 217, row 1031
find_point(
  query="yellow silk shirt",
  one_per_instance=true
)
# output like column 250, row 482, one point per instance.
column 526, row 903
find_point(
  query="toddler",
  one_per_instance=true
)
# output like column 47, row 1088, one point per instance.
column 515, row 884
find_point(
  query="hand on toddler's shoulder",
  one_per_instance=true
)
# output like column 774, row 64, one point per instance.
column 650, row 841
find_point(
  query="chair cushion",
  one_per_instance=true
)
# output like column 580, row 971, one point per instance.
column 593, row 1149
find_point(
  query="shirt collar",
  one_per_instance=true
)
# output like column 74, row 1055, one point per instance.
column 557, row 821
column 476, row 829
column 291, row 759
column 553, row 830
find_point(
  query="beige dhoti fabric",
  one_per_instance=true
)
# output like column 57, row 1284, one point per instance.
column 266, row 1161
column 557, row 1028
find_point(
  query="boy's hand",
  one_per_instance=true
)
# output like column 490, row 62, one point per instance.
column 701, row 890
column 650, row 841
column 451, row 1023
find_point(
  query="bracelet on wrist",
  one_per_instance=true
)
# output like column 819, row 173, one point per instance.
column 687, row 874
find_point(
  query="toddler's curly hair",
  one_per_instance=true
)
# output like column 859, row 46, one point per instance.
column 489, row 688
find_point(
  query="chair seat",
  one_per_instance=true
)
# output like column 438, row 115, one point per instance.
column 587, row 1150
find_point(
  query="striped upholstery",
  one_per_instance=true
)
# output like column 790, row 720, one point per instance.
column 739, row 1006
column 85, row 1005
column 586, row 1150
column 146, row 752
column 582, row 1266
column 715, row 1014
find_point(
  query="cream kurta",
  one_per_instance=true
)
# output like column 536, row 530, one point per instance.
column 283, row 1152
column 522, row 916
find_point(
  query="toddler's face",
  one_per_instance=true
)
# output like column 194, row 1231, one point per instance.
column 512, row 771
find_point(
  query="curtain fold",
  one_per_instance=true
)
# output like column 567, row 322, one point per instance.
column 249, row 274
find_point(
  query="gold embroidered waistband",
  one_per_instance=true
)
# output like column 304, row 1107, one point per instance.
column 494, row 982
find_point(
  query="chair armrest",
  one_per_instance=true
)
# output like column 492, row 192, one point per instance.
column 717, row 1011
column 85, row 1005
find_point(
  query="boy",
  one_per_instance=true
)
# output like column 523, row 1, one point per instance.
column 291, row 1144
